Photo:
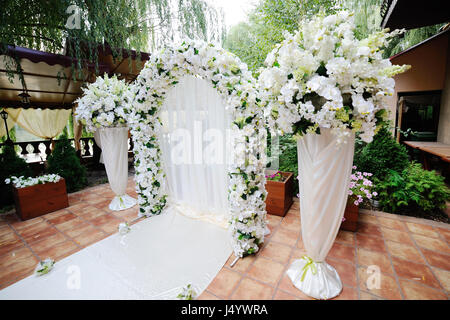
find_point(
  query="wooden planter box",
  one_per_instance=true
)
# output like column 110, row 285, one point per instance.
column 37, row 200
column 279, row 194
column 351, row 217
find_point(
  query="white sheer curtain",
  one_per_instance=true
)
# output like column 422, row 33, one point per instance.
column 194, row 149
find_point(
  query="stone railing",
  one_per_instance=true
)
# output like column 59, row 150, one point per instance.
column 37, row 151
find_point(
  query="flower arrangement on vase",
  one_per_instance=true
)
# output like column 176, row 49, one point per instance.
column 360, row 187
column 104, row 103
column 22, row 182
column 323, row 76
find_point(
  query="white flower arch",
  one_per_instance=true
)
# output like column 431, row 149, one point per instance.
column 235, row 84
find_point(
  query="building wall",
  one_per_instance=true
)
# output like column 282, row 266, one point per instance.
column 444, row 116
column 428, row 73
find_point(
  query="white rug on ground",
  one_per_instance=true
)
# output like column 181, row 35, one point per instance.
column 154, row 260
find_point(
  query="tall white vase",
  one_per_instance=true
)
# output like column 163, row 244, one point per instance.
column 114, row 144
column 324, row 176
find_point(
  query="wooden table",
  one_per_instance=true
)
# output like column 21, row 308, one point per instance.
column 438, row 149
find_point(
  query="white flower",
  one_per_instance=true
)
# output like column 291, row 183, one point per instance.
column 124, row 228
column 328, row 77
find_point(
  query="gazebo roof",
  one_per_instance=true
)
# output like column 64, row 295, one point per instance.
column 48, row 77
column 398, row 14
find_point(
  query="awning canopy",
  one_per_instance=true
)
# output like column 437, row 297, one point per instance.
column 398, row 14
column 48, row 77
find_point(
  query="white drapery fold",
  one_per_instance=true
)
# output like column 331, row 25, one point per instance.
column 194, row 150
column 43, row 123
column 324, row 170
column 114, row 144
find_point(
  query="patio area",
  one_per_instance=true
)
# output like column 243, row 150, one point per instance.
column 413, row 254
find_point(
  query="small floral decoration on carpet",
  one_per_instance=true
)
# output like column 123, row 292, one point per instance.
column 44, row 267
column 322, row 76
column 230, row 77
column 187, row 293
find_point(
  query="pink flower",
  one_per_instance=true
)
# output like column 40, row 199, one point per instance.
column 356, row 202
column 354, row 167
column 350, row 192
column 375, row 194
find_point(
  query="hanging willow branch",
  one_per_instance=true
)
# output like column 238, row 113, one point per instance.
column 141, row 25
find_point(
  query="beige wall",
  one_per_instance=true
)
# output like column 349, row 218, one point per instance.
column 444, row 116
column 428, row 73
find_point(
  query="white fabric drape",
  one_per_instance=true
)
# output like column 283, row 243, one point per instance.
column 99, row 144
column 114, row 144
column 194, row 150
column 43, row 123
column 324, row 169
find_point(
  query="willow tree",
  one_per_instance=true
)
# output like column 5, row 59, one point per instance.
column 78, row 27
column 252, row 41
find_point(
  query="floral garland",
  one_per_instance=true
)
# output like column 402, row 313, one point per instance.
column 236, row 85
column 103, row 103
column 323, row 76
column 22, row 182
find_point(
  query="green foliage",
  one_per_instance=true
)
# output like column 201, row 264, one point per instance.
column 64, row 161
column 287, row 157
column 11, row 165
column 381, row 156
column 143, row 25
column 368, row 19
column 252, row 41
column 414, row 190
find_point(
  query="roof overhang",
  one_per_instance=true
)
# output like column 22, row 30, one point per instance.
column 399, row 14
column 53, row 80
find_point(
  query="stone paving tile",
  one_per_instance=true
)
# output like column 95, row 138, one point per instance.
column 413, row 255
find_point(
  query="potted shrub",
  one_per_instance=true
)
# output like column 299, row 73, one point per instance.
column 279, row 192
column 360, row 189
column 40, row 195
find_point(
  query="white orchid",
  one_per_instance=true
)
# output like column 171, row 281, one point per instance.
column 323, row 76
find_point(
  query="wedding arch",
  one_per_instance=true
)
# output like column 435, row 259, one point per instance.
column 236, row 86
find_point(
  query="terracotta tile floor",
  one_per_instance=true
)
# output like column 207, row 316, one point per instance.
column 413, row 254
column 59, row 234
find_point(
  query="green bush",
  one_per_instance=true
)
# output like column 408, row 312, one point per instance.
column 11, row 165
column 288, row 157
column 415, row 190
column 381, row 156
column 64, row 161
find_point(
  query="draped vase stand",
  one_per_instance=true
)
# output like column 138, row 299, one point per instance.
column 324, row 176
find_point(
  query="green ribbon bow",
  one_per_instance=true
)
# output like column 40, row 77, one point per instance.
column 310, row 264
